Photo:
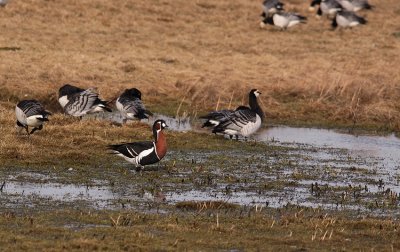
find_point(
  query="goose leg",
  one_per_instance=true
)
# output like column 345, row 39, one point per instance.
column 34, row 129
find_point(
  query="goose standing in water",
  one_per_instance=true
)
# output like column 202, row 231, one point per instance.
column 78, row 102
column 30, row 113
column 243, row 122
column 144, row 153
column 216, row 117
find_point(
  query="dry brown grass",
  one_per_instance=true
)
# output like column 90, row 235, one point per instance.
column 201, row 51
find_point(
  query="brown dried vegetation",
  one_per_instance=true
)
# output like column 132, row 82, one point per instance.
column 203, row 51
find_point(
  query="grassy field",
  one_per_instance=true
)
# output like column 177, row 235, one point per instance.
column 205, row 230
column 189, row 57
column 203, row 51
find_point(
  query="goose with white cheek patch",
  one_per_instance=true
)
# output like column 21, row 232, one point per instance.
column 130, row 105
column 30, row 113
column 78, row 102
column 347, row 19
column 144, row 153
column 271, row 6
column 283, row 20
column 355, row 5
column 243, row 122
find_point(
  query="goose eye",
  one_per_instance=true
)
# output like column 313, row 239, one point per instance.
column 164, row 125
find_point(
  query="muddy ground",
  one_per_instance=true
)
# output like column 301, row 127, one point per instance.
column 281, row 188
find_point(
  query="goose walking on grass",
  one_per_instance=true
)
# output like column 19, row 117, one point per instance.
column 355, row 5
column 243, row 122
column 271, row 6
column 30, row 113
column 216, row 117
column 78, row 102
column 144, row 153
column 130, row 105
column 347, row 19
column 283, row 20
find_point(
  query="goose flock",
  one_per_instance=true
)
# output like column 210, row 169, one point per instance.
column 342, row 13
column 244, row 121
column 78, row 102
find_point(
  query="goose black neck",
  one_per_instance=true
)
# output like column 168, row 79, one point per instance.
column 254, row 105
column 155, row 135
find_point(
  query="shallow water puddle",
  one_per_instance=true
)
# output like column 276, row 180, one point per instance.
column 175, row 124
column 383, row 148
column 315, row 168
column 56, row 192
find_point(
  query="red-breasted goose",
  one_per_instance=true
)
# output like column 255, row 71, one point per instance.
column 144, row 153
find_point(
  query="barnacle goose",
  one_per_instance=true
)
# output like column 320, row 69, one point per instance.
column 216, row 117
column 144, row 153
column 130, row 105
column 3, row 3
column 327, row 7
column 271, row 6
column 283, row 20
column 78, row 102
column 355, row 5
column 244, row 122
column 30, row 113
column 347, row 19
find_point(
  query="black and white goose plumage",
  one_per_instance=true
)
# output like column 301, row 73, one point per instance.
column 271, row 6
column 283, row 20
column 216, row 117
column 355, row 5
column 130, row 105
column 327, row 7
column 3, row 3
column 243, row 122
column 144, row 153
column 347, row 19
column 30, row 113
column 78, row 102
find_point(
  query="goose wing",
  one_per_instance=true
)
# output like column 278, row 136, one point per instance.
column 237, row 120
column 31, row 108
column 131, row 150
column 217, row 115
column 81, row 103
column 135, row 107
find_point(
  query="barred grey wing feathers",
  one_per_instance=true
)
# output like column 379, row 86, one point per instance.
column 133, row 106
column 237, row 120
column 81, row 103
column 31, row 107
